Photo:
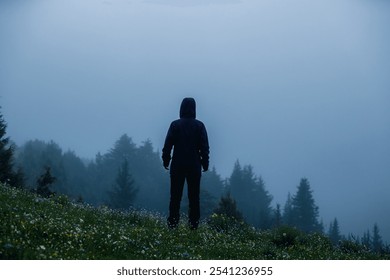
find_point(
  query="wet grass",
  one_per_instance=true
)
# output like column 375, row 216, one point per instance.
column 37, row 228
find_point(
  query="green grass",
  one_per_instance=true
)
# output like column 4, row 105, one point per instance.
column 36, row 228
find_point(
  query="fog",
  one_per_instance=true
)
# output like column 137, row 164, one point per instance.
column 294, row 88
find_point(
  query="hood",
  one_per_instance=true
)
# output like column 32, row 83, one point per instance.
column 188, row 108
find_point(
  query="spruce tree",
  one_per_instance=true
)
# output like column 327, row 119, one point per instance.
column 262, row 205
column 366, row 239
column 212, row 182
column 334, row 232
column 124, row 191
column 7, row 174
column 44, row 182
column 35, row 155
column 227, row 206
column 251, row 196
column 226, row 216
column 377, row 243
column 277, row 216
column 150, row 176
column 235, row 182
column 287, row 217
column 304, row 210
column 6, row 151
column 124, row 148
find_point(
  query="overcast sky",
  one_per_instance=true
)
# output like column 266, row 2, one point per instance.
column 294, row 88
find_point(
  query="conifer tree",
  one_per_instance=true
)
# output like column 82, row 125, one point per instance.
column 287, row 217
column 124, row 191
column 212, row 182
column 5, row 154
column 150, row 176
column 304, row 210
column 124, row 148
column 262, row 205
column 334, row 232
column 277, row 216
column 44, row 182
column 235, row 182
column 366, row 239
column 35, row 155
column 227, row 206
column 251, row 196
column 7, row 174
column 226, row 216
column 377, row 243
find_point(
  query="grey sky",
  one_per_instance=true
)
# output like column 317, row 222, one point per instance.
column 295, row 88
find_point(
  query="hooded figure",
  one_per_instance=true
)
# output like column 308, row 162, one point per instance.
column 188, row 137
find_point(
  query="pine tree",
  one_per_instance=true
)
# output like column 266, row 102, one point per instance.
column 334, row 232
column 377, row 243
column 104, row 170
column 150, row 176
column 251, row 196
column 124, row 148
column 6, row 154
column 366, row 239
column 211, row 190
column 212, row 182
column 227, row 206
column 235, row 182
column 287, row 217
column 44, row 182
column 304, row 210
column 7, row 172
column 35, row 155
column 353, row 238
column 262, row 205
column 226, row 216
column 124, row 191
column 76, row 181
column 277, row 216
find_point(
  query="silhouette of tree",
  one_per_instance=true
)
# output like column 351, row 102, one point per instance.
column 377, row 243
column 148, row 172
column 227, row 206
column 287, row 217
column 262, row 204
column 212, row 182
column 251, row 196
column 124, row 148
column 44, row 182
column 124, row 191
column 35, row 155
column 75, row 178
column 226, row 216
column 304, row 210
column 334, row 232
column 366, row 239
column 277, row 216
column 7, row 174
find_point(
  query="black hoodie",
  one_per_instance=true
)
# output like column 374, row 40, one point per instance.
column 188, row 136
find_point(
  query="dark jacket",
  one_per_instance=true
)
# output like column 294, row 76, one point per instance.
column 188, row 136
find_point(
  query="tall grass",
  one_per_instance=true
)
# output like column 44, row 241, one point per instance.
column 37, row 228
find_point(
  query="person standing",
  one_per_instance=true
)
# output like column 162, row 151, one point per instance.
column 188, row 138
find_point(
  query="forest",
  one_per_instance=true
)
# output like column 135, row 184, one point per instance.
column 130, row 177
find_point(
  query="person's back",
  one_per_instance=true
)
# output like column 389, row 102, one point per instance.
column 188, row 137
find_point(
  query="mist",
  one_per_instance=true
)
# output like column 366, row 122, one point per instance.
column 294, row 89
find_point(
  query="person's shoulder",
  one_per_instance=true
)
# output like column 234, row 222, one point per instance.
column 187, row 121
column 175, row 122
column 200, row 123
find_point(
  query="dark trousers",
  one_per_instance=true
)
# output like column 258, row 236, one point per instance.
column 178, row 178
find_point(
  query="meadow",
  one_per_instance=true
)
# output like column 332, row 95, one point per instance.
column 33, row 227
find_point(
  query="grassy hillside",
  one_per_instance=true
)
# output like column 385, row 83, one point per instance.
column 36, row 228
